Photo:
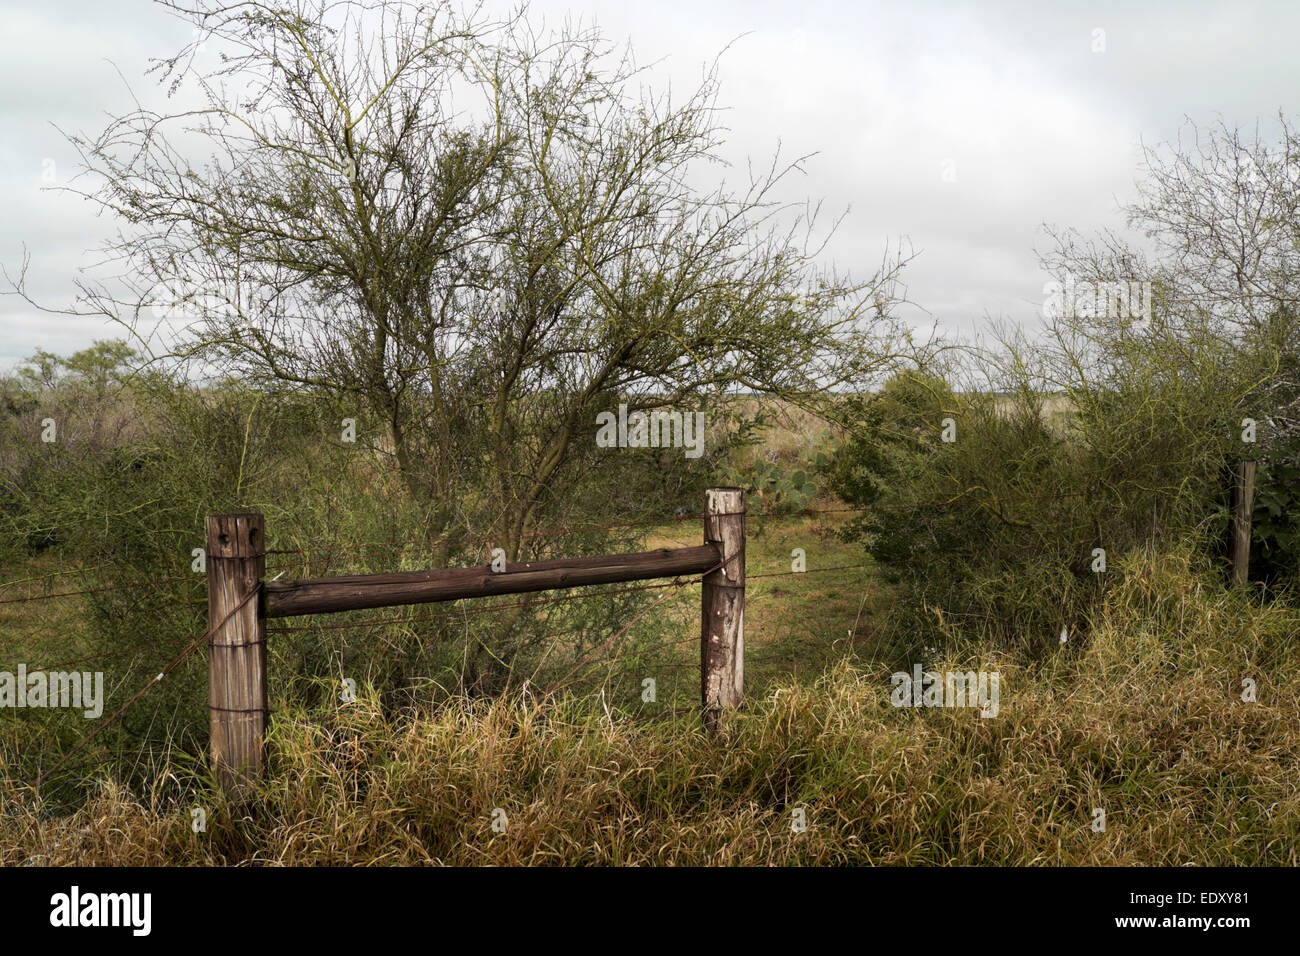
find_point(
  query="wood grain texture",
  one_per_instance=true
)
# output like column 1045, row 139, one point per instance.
column 236, row 560
column 722, row 611
column 1243, row 502
column 361, row 591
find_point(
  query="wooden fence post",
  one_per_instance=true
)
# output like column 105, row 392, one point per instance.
column 236, row 560
column 1243, row 500
column 722, row 624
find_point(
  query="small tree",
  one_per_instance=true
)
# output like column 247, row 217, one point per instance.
column 471, row 238
column 474, row 236
column 1171, row 400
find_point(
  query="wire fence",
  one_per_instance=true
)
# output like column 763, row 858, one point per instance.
column 568, row 678
column 548, row 533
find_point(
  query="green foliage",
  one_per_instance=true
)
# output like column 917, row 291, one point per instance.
column 1002, row 523
column 769, row 487
column 105, row 363
column 1135, row 722
column 127, row 485
column 1275, row 403
column 1275, row 524
column 477, row 288
column 886, row 436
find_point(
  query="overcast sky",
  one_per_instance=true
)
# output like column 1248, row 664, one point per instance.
column 1010, row 100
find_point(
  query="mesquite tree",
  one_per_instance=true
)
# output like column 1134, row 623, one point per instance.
column 1212, row 376
column 475, row 234
column 1221, row 211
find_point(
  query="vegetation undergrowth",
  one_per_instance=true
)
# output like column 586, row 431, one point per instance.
column 1144, row 719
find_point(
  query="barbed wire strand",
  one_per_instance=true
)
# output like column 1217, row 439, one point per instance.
column 670, row 519
column 109, row 587
column 587, row 659
column 80, row 569
column 167, row 669
column 557, row 530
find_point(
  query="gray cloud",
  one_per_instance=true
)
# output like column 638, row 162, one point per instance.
column 1010, row 97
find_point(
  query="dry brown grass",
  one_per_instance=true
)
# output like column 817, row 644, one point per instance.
column 1144, row 719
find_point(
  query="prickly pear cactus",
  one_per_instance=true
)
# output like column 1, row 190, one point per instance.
column 770, row 488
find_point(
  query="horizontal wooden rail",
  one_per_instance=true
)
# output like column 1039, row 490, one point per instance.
column 362, row 591
column 237, row 677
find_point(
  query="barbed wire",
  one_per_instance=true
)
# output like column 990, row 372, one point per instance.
column 560, row 531
column 670, row 588
column 430, row 543
column 781, row 574
column 609, row 642
column 80, row 569
column 167, row 669
column 99, row 590
column 676, row 518
column 94, row 657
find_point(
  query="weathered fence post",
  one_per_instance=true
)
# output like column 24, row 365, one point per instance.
column 1243, row 499
column 236, row 559
column 722, row 624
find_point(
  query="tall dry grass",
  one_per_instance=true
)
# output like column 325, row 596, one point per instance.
column 1142, row 717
